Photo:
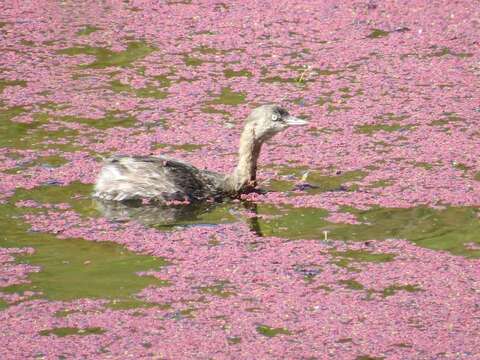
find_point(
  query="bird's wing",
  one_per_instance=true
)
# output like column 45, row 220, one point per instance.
column 136, row 177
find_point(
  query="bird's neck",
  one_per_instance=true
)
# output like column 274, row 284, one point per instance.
column 244, row 175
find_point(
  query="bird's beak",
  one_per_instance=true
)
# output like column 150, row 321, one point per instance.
column 294, row 121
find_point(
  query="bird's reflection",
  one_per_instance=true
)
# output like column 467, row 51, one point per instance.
column 162, row 216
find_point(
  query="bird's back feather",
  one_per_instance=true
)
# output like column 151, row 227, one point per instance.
column 157, row 178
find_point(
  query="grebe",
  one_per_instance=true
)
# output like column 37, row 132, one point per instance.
column 163, row 179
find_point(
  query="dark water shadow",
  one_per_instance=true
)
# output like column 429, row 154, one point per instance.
column 166, row 217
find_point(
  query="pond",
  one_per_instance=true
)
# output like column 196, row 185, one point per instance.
column 365, row 226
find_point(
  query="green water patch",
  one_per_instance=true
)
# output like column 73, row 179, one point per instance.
column 106, row 58
column 229, row 73
column 322, row 100
column 75, row 268
column 4, row 83
column 163, row 81
column 351, row 284
column 220, row 289
column 392, row 117
column 278, row 185
column 193, row 61
column 68, row 331
column 180, row 147
column 206, row 50
column 31, row 135
column 112, row 118
column 87, row 30
column 333, row 108
column 368, row 357
column 423, row 165
column 369, row 129
column 393, row 289
column 380, row 184
column 444, row 51
column 378, row 33
column 11, row 131
column 439, row 229
column 52, row 161
column 349, row 258
column 321, row 182
column 213, row 110
column 149, row 91
column 75, row 194
column 229, row 97
column 268, row 331
column 461, row 166
column 134, row 303
column 279, row 79
column 447, row 119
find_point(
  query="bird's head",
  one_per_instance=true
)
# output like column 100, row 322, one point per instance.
column 268, row 120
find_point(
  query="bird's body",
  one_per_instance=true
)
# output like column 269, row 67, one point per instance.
column 163, row 179
column 158, row 178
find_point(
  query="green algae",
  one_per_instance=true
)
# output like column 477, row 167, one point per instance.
column 369, row 129
column 393, row 289
column 112, row 118
column 134, row 303
column 68, row 331
column 52, row 161
column 65, row 313
column 10, row 131
column 447, row 119
column 106, row 58
column 163, row 81
column 378, row 33
column 346, row 258
column 268, row 331
column 278, row 185
column 279, row 79
column 380, row 184
column 332, row 108
column 444, row 51
column 180, row 147
column 327, row 72
column 439, row 229
column 320, row 181
column 4, row 83
column 422, row 164
column 368, row 357
column 229, row 73
column 229, row 97
column 477, row 176
column 213, row 110
column 87, row 30
column 392, row 117
column 149, row 91
column 193, row 61
column 219, row 289
column 351, row 284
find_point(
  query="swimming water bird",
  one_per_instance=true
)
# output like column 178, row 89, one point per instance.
column 163, row 179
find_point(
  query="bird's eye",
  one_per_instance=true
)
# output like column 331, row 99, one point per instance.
column 274, row 117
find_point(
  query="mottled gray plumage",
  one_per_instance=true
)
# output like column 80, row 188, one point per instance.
column 163, row 179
